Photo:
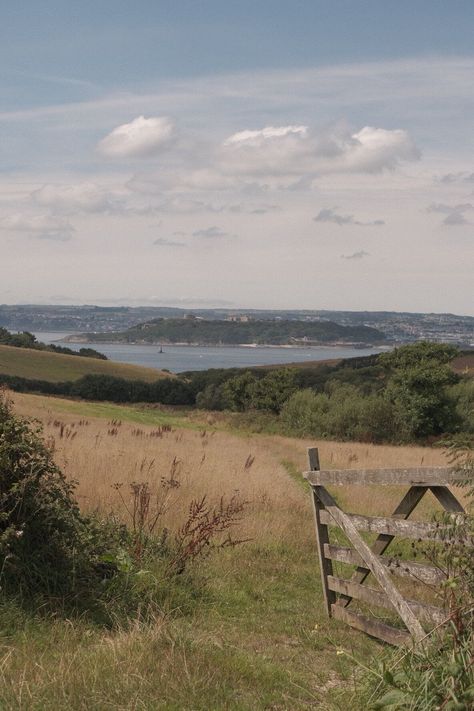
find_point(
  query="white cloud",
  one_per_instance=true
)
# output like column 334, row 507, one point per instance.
column 44, row 226
column 356, row 255
column 141, row 138
column 297, row 153
column 257, row 137
column 372, row 150
column 329, row 214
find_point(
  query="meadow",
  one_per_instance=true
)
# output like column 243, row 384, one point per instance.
column 253, row 634
column 58, row 367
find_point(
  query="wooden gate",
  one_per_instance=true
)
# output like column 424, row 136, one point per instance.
column 339, row 592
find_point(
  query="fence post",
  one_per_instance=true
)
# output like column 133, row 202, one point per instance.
column 322, row 535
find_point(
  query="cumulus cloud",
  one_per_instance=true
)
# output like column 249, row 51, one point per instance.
column 163, row 242
column 141, row 138
column 454, row 213
column 329, row 214
column 356, row 255
column 41, row 226
column 301, row 154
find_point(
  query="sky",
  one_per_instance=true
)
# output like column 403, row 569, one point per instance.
column 313, row 154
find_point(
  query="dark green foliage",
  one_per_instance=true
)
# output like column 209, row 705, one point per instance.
column 46, row 546
column 417, row 388
column 342, row 413
column 168, row 391
column 234, row 333
column 238, row 392
column 270, row 392
column 461, row 396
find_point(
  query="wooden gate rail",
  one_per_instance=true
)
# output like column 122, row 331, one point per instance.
column 339, row 592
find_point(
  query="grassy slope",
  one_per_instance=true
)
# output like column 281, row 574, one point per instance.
column 257, row 639
column 56, row 367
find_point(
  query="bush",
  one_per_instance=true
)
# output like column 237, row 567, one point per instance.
column 461, row 396
column 46, row 545
column 343, row 413
column 306, row 413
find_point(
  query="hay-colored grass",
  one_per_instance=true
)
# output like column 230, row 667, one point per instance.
column 260, row 638
column 212, row 463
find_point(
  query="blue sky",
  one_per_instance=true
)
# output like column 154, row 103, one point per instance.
column 211, row 152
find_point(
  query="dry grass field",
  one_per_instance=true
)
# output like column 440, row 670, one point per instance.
column 258, row 638
column 99, row 452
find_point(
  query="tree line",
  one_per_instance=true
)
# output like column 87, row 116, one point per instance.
column 409, row 394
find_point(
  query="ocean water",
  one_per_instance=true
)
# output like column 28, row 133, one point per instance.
column 180, row 358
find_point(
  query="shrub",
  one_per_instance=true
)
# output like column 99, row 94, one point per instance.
column 305, row 413
column 46, row 545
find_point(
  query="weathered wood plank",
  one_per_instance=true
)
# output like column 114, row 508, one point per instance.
column 447, row 499
column 393, row 527
column 428, row 613
column 375, row 629
column 408, row 503
column 421, row 476
column 322, row 537
column 371, row 561
column 399, row 567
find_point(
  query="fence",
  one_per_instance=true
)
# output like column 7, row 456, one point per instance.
column 339, row 592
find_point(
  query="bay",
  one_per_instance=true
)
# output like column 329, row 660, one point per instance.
column 180, row 358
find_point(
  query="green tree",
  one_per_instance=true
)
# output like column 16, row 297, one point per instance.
column 419, row 376
column 238, row 392
column 272, row 391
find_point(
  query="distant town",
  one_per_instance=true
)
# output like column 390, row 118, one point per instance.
column 397, row 327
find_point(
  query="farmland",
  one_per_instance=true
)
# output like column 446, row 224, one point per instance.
column 251, row 633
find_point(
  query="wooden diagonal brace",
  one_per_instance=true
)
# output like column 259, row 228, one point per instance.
column 372, row 562
column 409, row 502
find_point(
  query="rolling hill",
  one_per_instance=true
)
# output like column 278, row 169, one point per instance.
column 56, row 367
column 201, row 332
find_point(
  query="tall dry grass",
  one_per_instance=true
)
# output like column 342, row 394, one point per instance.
column 100, row 454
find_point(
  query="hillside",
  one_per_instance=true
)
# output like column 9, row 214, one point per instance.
column 56, row 367
column 246, row 623
column 202, row 332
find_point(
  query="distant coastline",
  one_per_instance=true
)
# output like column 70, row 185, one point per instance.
column 196, row 344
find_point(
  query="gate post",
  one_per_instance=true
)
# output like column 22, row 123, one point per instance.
column 322, row 535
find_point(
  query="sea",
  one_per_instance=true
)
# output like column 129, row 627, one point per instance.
column 181, row 358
